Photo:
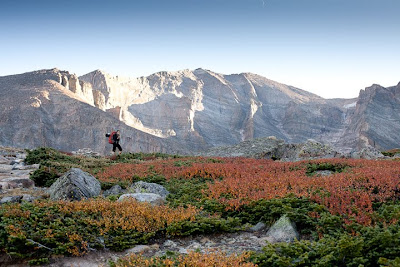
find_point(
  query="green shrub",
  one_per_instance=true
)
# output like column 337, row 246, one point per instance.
column 326, row 166
column 40, row 261
column 299, row 210
column 389, row 263
column 365, row 248
column 391, row 153
column 44, row 176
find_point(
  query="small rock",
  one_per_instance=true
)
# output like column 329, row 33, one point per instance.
column 170, row 244
column 232, row 241
column 183, row 251
column 5, row 168
column 151, row 198
column 205, row 240
column 138, row 249
column 194, row 245
column 87, row 152
column 16, row 161
column 115, row 190
column 21, row 156
column 258, row 227
column 11, row 199
column 324, row 173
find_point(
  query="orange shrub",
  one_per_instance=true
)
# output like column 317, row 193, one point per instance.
column 126, row 215
column 238, row 181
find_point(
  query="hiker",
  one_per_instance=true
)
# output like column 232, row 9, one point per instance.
column 116, row 138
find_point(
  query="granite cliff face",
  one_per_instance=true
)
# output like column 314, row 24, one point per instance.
column 38, row 110
column 186, row 111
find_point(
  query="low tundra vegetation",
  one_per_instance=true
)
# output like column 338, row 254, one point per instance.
column 348, row 218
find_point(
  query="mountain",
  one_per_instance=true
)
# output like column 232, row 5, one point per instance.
column 186, row 111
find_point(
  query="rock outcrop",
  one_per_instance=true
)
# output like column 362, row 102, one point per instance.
column 74, row 185
column 186, row 111
column 15, row 184
column 276, row 149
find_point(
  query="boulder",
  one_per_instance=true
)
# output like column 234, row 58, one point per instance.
column 315, row 149
column 115, row 190
column 151, row 198
column 282, row 231
column 367, row 152
column 74, row 185
column 143, row 187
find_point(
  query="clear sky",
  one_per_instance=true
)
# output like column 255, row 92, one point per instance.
column 332, row 48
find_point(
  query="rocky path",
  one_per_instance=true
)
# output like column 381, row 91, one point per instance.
column 15, row 184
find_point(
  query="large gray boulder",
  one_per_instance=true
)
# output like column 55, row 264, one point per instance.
column 282, row 231
column 74, row 185
column 151, row 198
column 143, row 187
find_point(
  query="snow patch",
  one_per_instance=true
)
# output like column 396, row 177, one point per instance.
column 352, row 105
column 136, row 123
column 253, row 107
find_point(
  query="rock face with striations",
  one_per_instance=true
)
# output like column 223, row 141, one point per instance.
column 186, row 111
column 38, row 109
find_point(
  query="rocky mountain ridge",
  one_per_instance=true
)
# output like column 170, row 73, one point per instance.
column 186, row 111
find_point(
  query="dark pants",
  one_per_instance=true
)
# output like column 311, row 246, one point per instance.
column 115, row 145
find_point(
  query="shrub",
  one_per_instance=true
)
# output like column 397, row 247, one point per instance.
column 41, row 229
column 44, row 176
column 365, row 248
column 192, row 259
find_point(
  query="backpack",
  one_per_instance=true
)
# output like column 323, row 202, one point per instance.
column 110, row 138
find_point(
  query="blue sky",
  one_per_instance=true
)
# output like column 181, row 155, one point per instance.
column 332, row 48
